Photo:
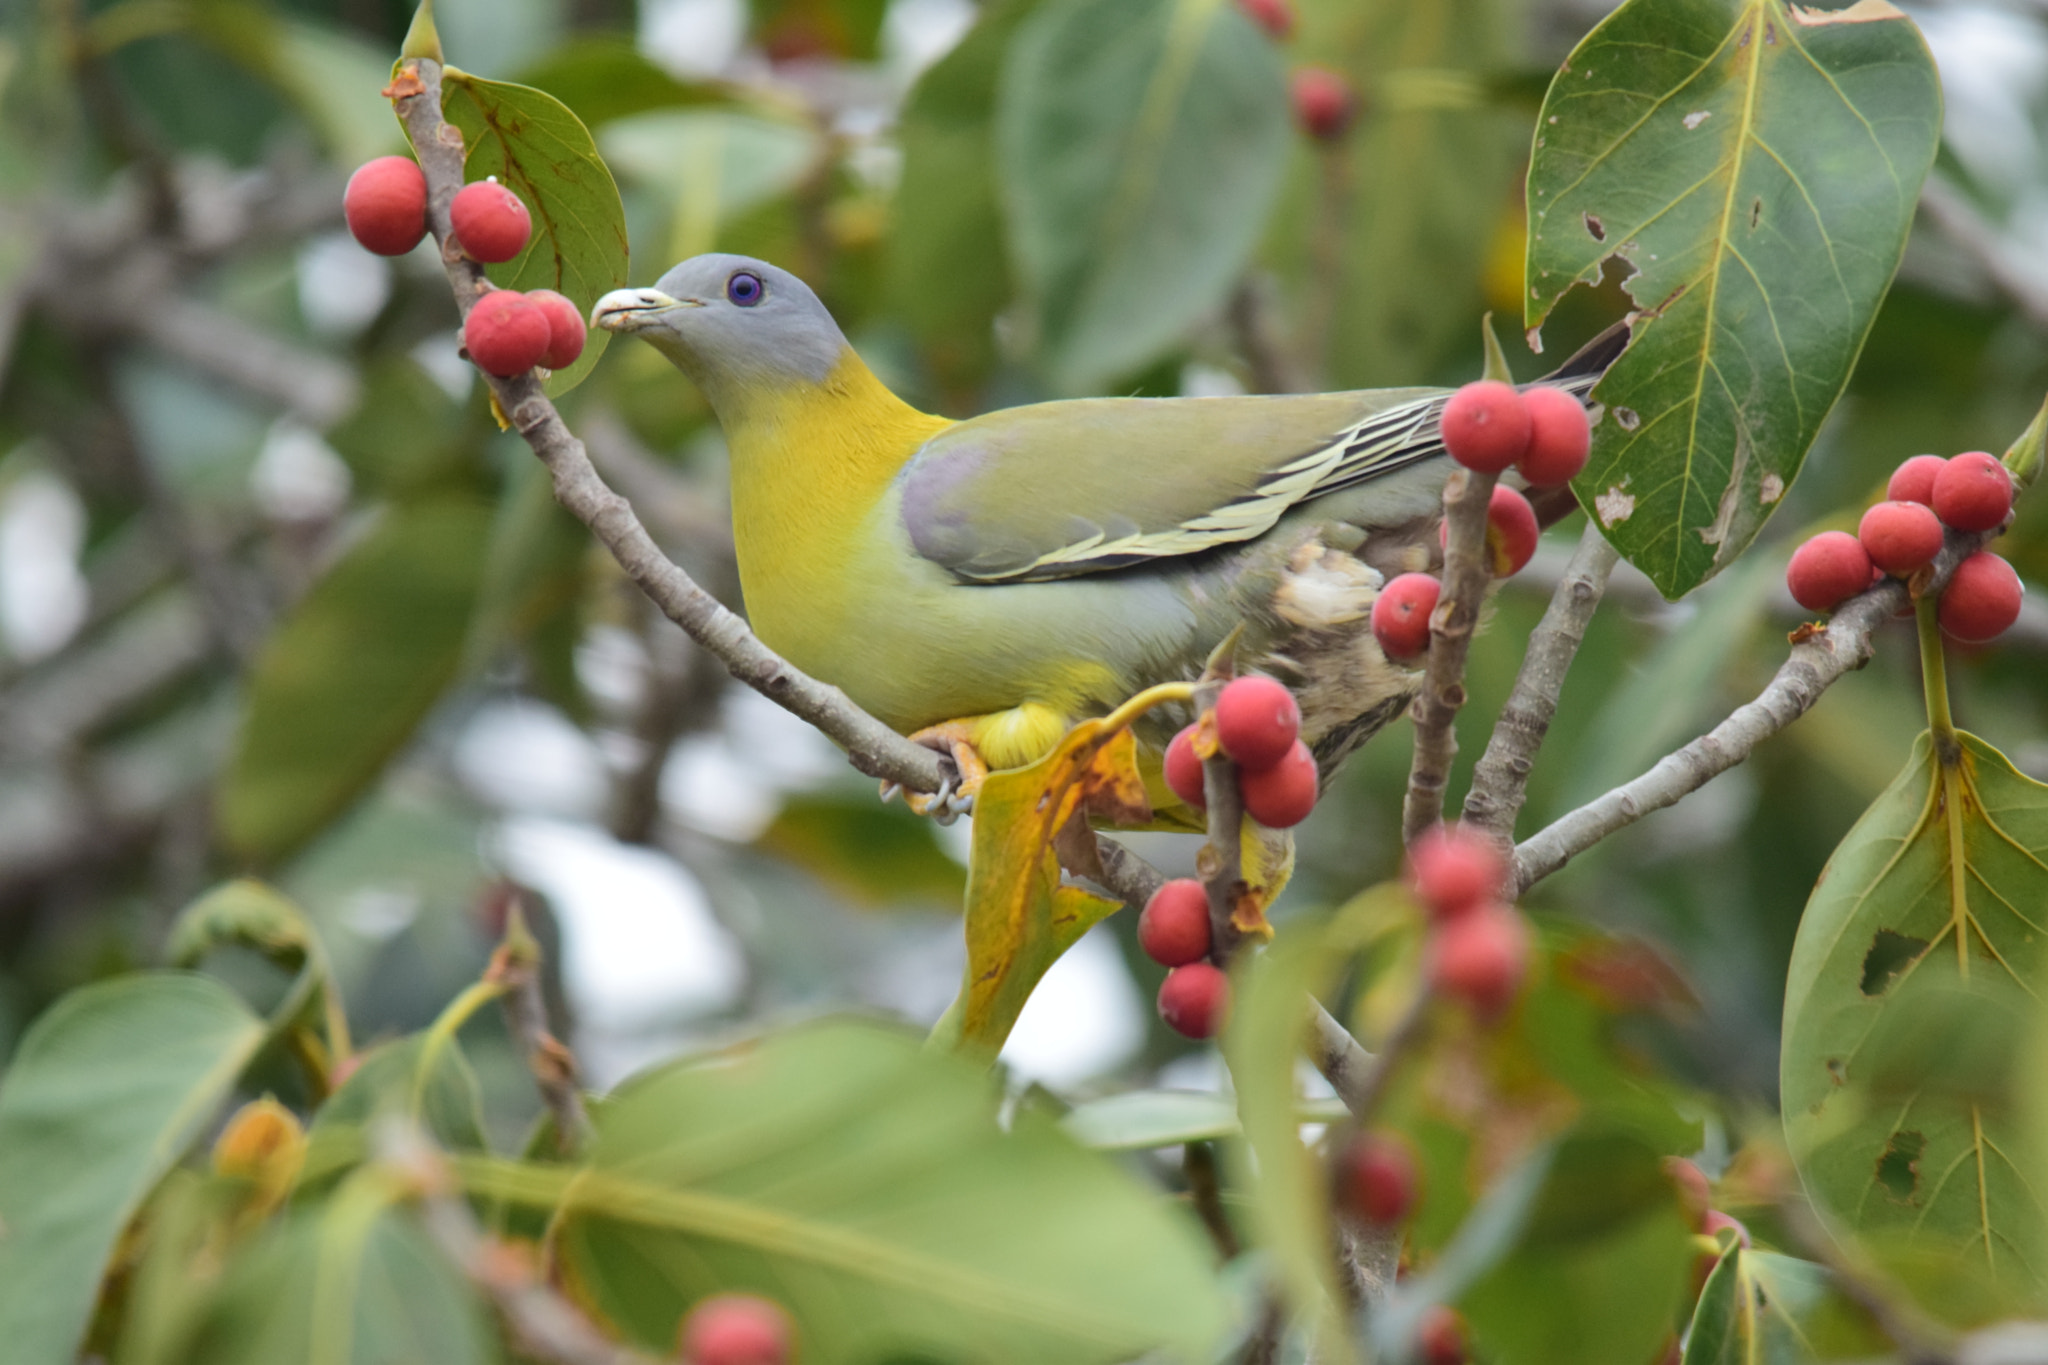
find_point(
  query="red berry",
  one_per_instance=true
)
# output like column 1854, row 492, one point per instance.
column 489, row 221
column 1695, row 1193
column 1173, row 928
column 1323, row 103
column 386, row 205
column 1559, row 437
column 737, row 1329
column 1486, row 426
column 565, row 328
column 1511, row 531
column 1900, row 536
column 1376, row 1178
column 1274, row 16
column 1281, row 796
column 1717, row 1222
column 1913, row 481
column 1184, row 770
column 1973, row 492
column 1195, row 999
column 1400, row 614
column 1982, row 600
column 505, row 333
column 1480, row 957
column 1455, row 870
column 1440, row 1336
column 1256, row 721
column 1828, row 570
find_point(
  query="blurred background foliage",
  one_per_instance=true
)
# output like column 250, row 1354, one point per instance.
column 276, row 595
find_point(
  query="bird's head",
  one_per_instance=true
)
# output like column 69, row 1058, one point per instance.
column 744, row 330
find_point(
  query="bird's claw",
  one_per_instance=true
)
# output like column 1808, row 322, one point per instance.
column 963, row 769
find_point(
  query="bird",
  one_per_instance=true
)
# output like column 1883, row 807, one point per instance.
column 981, row 585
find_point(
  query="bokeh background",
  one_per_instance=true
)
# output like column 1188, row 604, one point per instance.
column 239, row 454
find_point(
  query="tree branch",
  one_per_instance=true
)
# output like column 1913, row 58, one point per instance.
column 515, row 965
column 871, row 746
column 1818, row 660
column 1466, row 578
column 1501, row 781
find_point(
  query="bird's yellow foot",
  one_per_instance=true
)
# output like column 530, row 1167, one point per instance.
column 955, row 739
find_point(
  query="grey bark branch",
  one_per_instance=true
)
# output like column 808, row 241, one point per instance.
column 1815, row 664
column 1465, row 581
column 1500, row 783
column 871, row 746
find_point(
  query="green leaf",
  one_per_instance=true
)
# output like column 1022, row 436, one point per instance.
column 1909, row 988
column 1140, row 145
column 1760, row 1308
column 947, row 275
column 108, row 1089
column 863, row 1181
column 449, row 1107
column 875, row 855
column 342, row 684
column 531, row 142
column 350, row 1281
column 1758, row 166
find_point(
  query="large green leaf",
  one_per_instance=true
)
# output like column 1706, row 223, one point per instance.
column 863, row 1181
column 1759, row 1308
column 1906, row 998
column 108, row 1089
column 948, row 276
column 530, row 141
column 1757, row 165
column 342, row 684
column 1140, row 144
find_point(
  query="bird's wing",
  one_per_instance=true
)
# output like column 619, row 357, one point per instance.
column 1054, row 490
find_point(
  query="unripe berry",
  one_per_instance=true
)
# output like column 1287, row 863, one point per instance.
column 1440, row 1336
column 1480, row 957
column 1828, row 570
column 1257, row 720
column 1717, row 1222
column 1982, row 599
column 1274, row 16
column 1400, row 614
column 737, row 1329
column 565, row 328
column 1973, row 492
column 1559, row 437
column 386, row 205
column 1900, row 537
column 1323, row 103
column 1184, row 769
column 1486, row 426
column 1195, row 999
column 1173, row 928
column 489, row 221
column 1455, row 870
column 1695, row 1193
column 1913, row 481
column 1376, row 1178
column 1281, row 796
column 505, row 333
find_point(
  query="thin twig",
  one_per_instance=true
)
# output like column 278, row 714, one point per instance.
column 1467, row 495
column 1220, row 864
column 515, row 965
column 871, row 746
column 1501, row 781
column 1818, row 660
column 1205, row 1192
column 1351, row 1071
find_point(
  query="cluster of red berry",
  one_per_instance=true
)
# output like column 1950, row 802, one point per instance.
column 1901, row 536
column 737, row 1329
column 507, row 332
column 1258, row 727
column 1479, row 943
column 1490, row 427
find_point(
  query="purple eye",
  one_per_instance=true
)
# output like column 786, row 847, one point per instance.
column 744, row 289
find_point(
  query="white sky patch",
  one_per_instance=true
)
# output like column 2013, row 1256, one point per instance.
column 526, row 757
column 1994, row 66
column 441, row 357
column 916, row 33
column 1084, row 1019
column 341, row 286
column 43, row 596
column 297, row 476
column 692, row 38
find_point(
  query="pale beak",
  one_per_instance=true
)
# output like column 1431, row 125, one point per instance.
column 630, row 310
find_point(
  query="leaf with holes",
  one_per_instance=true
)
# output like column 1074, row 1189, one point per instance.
column 1139, row 144
column 543, row 153
column 1912, row 980
column 1757, row 165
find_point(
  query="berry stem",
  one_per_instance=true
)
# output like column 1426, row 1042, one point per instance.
column 1934, row 669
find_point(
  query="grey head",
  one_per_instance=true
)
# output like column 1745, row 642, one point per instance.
column 737, row 326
